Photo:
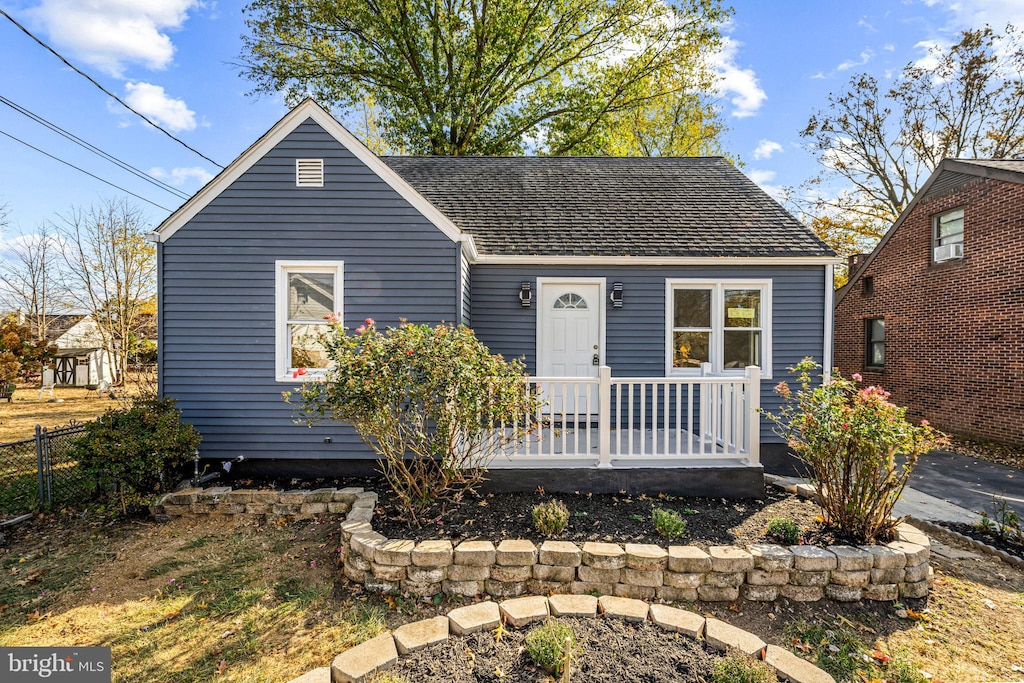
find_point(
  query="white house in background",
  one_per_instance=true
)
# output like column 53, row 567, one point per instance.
column 82, row 359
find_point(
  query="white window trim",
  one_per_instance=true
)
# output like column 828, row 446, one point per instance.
column 282, row 370
column 717, row 288
column 936, row 220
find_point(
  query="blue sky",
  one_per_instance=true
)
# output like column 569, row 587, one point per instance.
column 173, row 60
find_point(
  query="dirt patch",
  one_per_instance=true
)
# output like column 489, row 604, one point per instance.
column 612, row 650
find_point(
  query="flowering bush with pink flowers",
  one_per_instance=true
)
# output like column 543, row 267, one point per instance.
column 849, row 436
column 433, row 402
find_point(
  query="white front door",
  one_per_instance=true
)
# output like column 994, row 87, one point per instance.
column 569, row 341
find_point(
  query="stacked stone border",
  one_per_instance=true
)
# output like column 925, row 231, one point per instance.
column 762, row 572
column 246, row 504
column 360, row 663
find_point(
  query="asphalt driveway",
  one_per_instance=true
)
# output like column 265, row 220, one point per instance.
column 967, row 482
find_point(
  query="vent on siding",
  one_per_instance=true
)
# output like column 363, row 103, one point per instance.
column 309, row 172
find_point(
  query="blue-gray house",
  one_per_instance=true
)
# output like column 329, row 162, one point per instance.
column 656, row 301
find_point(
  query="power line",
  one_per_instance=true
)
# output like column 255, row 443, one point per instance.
column 92, row 148
column 82, row 170
column 108, row 93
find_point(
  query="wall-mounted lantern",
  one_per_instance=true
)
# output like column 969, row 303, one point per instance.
column 525, row 295
column 616, row 295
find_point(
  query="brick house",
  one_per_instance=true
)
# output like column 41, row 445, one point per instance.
column 935, row 314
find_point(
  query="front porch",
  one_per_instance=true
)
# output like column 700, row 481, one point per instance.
column 649, row 422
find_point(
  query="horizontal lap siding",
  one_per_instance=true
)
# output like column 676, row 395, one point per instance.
column 635, row 343
column 217, row 287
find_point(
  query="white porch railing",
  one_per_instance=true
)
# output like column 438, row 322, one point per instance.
column 644, row 421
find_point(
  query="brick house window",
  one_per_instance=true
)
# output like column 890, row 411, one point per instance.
column 868, row 283
column 874, row 348
column 948, row 236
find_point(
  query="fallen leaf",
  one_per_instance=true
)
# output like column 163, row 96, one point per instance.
column 222, row 666
column 879, row 656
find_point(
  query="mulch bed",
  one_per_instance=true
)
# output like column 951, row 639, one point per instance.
column 1010, row 545
column 613, row 650
column 605, row 517
column 611, row 518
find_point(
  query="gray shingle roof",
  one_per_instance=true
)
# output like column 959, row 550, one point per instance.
column 602, row 206
column 1016, row 165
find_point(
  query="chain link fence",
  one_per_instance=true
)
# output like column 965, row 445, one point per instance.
column 39, row 472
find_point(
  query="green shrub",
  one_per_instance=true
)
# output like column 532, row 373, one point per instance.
column 551, row 645
column 551, row 517
column 783, row 531
column 432, row 402
column 668, row 523
column 849, row 437
column 738, row 668
column 133, row 452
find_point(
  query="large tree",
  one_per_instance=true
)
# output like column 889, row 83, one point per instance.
column 484, row 76
column 881, row 144
column 29, row 280
column 111, row 271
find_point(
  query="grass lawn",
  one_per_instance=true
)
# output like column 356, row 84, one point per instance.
column 18, row 419
column 207, row 601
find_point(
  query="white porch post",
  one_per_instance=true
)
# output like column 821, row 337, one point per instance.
column 753, row 374
column 604, row 416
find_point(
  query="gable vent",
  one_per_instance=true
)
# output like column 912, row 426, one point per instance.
column 309, row 172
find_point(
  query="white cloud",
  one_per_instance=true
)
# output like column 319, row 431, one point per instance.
column 977, row 13
column 760, row 176
column 152, row 101
column 766, row 148
column 182, row 175
column 928, row 60
column 865, row 57
column 864, row 23
column 111, row 34
column 747, row 95
column 820, row 76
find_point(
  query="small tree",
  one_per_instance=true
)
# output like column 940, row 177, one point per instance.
column 848, row 437
column 433, row 402
column 20, row 352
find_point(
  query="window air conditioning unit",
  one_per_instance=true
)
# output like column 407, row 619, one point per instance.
column 948, row 252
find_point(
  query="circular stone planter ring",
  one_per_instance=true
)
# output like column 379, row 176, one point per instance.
column 358, row 664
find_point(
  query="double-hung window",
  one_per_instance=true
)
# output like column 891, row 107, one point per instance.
column 725, row 323
column 948, row 236
column 874, row 338
column 307, row 294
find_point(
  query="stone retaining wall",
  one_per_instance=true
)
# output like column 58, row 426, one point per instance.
column 516, row 567
column 362, row 662
column 251, row 503
column 760, row 572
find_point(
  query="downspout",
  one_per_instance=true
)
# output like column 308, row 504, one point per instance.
column 826, row 363
column 155, row 237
